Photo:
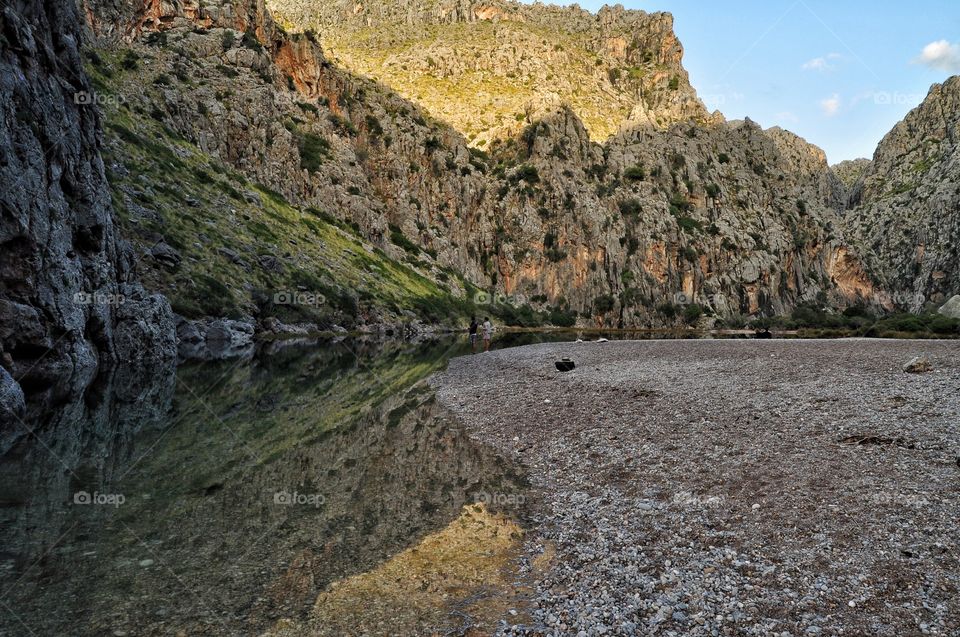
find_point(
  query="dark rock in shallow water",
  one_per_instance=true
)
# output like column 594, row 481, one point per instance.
column 215, row 339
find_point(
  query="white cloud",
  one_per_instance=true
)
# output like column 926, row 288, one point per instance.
column 787, row 116
column 830, row 105
column 940, row 55
column 821, row 63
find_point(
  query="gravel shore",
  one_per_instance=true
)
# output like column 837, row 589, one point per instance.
column 730, row 487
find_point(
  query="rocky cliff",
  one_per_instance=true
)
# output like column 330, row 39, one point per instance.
column 68, row 302
column 481, row 66
column 674, row 216
column 906, row 205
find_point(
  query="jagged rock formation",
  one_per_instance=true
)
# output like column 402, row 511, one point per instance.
column 734, row 219
column 907, row 204
column 850, row 170
column 11, row 394
column 481, row 65
column 729, row 217
column 67, row 301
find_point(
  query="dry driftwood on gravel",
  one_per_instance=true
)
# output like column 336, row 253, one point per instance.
column 731, row 487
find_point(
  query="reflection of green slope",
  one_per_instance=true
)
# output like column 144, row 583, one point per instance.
column 200, row 544
column 352, row 425
column 166, row 189
column 236, row 417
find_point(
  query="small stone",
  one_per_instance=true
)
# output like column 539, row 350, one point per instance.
column 146, row 563
column 918, row 365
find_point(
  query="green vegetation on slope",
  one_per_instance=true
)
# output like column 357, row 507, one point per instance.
column 812, row 320
column 480, row 76
column 219, row 245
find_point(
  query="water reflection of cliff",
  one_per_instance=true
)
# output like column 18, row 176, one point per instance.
column 206, row 462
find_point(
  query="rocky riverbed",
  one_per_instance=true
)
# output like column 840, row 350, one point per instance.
column 732, row 487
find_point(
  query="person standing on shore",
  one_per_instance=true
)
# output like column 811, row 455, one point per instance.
column 473, row 333
column 487, row 333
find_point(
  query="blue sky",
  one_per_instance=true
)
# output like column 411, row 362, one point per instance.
column 839, row 73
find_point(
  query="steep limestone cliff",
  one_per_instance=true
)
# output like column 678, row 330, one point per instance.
column 480, row 65
column 67, row 298
column 906, row 206
column 850, row 171
column 636, row 232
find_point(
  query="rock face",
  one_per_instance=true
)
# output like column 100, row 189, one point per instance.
column 65, row 275
column 11, row 396
column 906, row 206
column 850, row 171
column 481, row 65
column 676, row 209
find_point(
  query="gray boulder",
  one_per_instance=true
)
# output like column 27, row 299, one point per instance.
column 144, row 331
column 918, row 365
column 215, row 339
column 166, row 255
column 951, row 309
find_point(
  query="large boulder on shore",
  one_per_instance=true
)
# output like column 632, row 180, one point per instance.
column 951, row 309
column 918, row 365
column 215, row 339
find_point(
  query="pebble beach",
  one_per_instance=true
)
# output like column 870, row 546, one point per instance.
column 729, row 487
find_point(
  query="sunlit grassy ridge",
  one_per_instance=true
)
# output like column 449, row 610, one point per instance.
column 481, row 76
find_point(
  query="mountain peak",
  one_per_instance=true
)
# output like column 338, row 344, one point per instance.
column 480, row 65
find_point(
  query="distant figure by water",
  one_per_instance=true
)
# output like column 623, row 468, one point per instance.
column 487, row 333
column 473, row 333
